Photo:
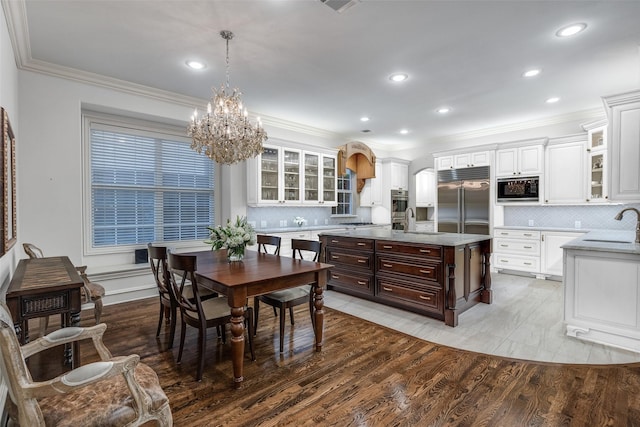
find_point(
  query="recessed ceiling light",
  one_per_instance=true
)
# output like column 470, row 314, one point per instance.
column 552, row 100
column 196, row 65
column 571, row 30
column 443, row 110
column 366, row 130
column 398, row 77
column 404, row 131
column 364, row 119
column 531, row 73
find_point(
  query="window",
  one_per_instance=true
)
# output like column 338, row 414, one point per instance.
column 345, row 195
column 146, row 185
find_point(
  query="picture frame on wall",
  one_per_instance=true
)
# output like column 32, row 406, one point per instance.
column 8, row 166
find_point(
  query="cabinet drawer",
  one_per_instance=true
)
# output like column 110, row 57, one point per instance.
column 347, row 279
column 350, row 243
column 434, row 252
column 522, row 263
column 423, row 270
column 512, row 246
column 350, row 258
column 428, row 298
column 517, row 234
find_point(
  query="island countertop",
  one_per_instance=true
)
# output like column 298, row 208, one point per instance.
column 620, row 241
column 428, row 238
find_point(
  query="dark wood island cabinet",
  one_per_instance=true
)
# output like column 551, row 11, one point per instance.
column 440, row 275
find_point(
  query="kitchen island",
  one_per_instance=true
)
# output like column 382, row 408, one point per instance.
column 440, row 275
column 602, row 288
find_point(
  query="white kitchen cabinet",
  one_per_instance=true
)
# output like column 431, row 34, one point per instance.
column 602, row 297
column 320, row 183
column 517, row 250
column 463, row 160
column 525, row 160
column 551, row 251
column 425, row 188
column 623, row 146
column 398, row 175
column 565, row 171
column 288, row 176
column 371, row 194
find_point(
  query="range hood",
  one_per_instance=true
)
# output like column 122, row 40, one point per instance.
column 360, row 159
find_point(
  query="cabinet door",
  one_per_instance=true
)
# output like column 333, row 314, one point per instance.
column 425, row 188
column 565, row 173
column 552, row 253
column 311, row 177
column 399, row 176
column 269, row 175
column 462, row 161
column 530, row 160
column 506, row 162
column 291, row 175
column 329, row 181
column 624, row 150
column 597, row 189
column 481, row 158
column 445, row 162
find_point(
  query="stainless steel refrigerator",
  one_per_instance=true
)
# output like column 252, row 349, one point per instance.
column 463, row 200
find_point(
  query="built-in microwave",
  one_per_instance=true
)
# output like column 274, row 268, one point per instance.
column 518, row 189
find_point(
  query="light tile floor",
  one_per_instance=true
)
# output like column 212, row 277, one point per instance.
column 524, row 322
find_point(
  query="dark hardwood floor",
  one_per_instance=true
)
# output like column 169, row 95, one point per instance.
column 367, row 375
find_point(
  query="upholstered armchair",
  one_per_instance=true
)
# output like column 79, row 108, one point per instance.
column 117, row 391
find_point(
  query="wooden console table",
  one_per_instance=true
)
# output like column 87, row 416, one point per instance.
column 42, row 287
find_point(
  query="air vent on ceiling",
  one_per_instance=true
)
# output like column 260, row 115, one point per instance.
column 340, row 5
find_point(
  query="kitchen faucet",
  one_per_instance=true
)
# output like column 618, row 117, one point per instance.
column 406, row 217
column 619, row 217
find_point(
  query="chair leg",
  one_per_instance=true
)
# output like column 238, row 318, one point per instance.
column 172, row 325
column 183, row 332
column 202, row 345
column 291, row 314
column 97, row 309
column 160, row 320
column 281, row 329
column 275, row 313
column 311, row 309
column 256, row 310
column 44, row 324
column 252, row 333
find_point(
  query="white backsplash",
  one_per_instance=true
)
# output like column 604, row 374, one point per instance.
column 589, row 217
column 275, row 217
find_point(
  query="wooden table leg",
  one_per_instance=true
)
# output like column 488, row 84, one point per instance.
column 318, row 304
column 237, row 344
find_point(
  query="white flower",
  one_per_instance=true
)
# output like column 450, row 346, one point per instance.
column 233, row 235
column 299, row 221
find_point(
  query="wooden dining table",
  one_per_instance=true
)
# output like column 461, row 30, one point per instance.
column 258, row 274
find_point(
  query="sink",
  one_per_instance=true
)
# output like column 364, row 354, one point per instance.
column 607, row 241
column 415, row 232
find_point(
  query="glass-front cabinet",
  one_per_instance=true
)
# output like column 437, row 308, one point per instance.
column 597, row 165
column 282, row 175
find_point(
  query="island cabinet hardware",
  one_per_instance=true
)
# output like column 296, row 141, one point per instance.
column 408, row 271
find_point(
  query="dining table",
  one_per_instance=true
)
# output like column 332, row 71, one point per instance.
column 257, row 274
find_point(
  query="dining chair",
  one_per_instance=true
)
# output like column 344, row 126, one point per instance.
column 289, row 298
column 115, row 391
column 168, row 304
column 92, row 292
column 268, row 244
column 199, row 313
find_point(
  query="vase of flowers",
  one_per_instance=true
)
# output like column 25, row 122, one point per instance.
column 234, row 237
column 300, row 221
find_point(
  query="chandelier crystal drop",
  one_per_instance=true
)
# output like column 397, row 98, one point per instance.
column 225, row 133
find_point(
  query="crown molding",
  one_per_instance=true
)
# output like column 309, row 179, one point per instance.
column 15, row 13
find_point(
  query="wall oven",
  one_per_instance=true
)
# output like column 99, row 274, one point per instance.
column 520, row 189
column 399, row 204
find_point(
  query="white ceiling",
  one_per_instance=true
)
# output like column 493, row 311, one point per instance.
column 303, row 62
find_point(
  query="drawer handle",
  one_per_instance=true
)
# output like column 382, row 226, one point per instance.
column 426, row 271
column 361, row 282
column 528, row 234
column 528, row 247
column 503, row 260
column 362, row 261
column 387, row 289
column 388, row 265
column 504, row 246
column 527, row 263
column 504, row 234
column 335, row 257
column 424, row 298
column 362, row 244
column 387, row 246
column 333, row 276
column 425, row 251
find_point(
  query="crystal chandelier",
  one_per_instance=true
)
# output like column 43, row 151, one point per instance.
column 225, row 133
